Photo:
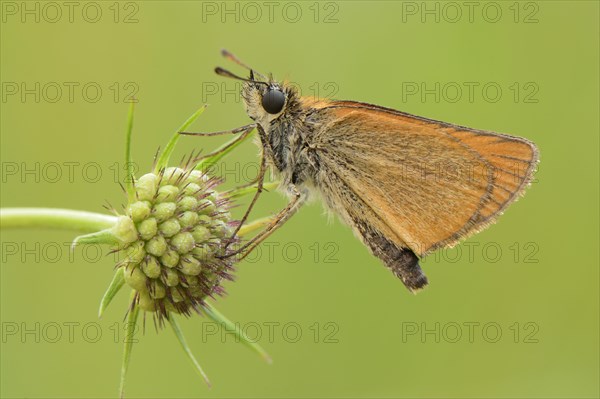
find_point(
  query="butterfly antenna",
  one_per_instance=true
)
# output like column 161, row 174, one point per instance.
column 224, row 72
column 231, row 57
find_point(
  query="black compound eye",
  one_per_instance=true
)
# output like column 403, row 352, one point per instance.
column 273, row 101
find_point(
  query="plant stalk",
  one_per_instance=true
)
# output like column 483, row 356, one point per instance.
column 55, row 218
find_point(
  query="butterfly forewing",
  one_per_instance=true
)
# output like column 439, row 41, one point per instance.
column 426, row 184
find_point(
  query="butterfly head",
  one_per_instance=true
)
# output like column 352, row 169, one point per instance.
column 265, row 99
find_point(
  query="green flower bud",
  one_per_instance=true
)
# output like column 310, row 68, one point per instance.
column 147, row 228
column 183, row 242
column 190, row 266
column 167, row 193
column 188, row 203
column 201, row 234
column 213, row 197
column 204, row 220
column 220, row 229
column 151, row 267
column 191, row 282
column 202, row 251
column 169, row 228
column 173, row 174
column 139, row 210
column 170, row 258
column 146, row 303
column 188, row 219
column 135, row 277
column 206, row 207
column 158, row 290
column 192, row 189
column 156, row 246
column 225, row 216
column 145, row 187
column 172, row 277
column 124, row 230
column 197, row 176
column 164, row 211
column 177, row 297
column 135, row 253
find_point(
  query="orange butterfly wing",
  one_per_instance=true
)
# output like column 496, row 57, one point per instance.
column 430, row 183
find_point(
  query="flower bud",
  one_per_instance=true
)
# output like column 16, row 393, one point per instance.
column 169, row 227
column 145, row 187
column 139, row 210
column 173, row 239
column 147, row 228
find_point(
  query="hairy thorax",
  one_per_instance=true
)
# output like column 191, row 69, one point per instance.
column 293, row 142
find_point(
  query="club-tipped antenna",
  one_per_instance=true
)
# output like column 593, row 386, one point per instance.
column 224, row 72
column 225, row 53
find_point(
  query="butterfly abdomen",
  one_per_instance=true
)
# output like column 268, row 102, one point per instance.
column 401, row 261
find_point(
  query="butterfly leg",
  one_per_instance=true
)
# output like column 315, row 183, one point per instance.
column 223, row 132
column 260, row 179
column 279, row 220
column 231, row 144
column 292, row 207
column 245, row 131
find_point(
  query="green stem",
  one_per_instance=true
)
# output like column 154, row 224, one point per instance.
column 163, row 160
column 115, row 285
column 255, row 225
column 130, row 331
column 245, row 190
column 128, row 159
column 55, row 218
column 186, row 348
column 235, row 329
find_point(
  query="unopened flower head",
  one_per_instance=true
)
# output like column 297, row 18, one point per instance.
column 174, row 238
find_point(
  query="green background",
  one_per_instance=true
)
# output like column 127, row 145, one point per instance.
column 549, row 287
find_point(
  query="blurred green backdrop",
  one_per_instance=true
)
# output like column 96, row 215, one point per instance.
column 513, row 312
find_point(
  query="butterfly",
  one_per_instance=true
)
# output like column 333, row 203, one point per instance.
column 405, row 184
